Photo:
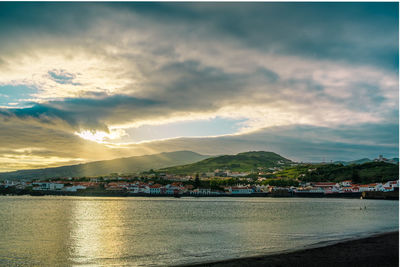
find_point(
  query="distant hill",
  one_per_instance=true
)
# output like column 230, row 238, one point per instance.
column 396, row 160
column 365, row 160
column 358, row 161
column 105, row 167
column 243, row 162
column 368, row 172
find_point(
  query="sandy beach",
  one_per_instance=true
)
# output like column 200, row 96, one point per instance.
column 379, row 250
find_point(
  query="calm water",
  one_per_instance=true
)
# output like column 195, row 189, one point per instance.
column 78, row 231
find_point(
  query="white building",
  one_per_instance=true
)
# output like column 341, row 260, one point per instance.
column 366, row 188
column 387, row 189
column 133, row 189
column 347, row 189
column 155, row 189
column 47, row 186
column 204, row 192
column 240, row 190
column 73, row 188
column 392, row 184
column 172, row 190
column 144, row 189
column 201, row 191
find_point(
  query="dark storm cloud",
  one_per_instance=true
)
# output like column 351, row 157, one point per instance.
column 191, row 84
column 52, row 18
column 353, row 32
column 85, row 112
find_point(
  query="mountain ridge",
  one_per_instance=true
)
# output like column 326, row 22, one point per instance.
column 243, row 162
column 105, row 167
column 363, row 160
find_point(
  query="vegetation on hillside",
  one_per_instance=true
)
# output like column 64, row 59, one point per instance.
column 106, row 167
column 359, row 173
column 242, row 162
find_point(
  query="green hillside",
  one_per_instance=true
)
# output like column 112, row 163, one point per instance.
column 360, row 173
column 105, row 167
column 243, row 162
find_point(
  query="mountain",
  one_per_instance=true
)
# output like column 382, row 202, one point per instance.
column 395, row 160
column 365, row 160
column 243, row 162
column 105, row 167
column 358, row 161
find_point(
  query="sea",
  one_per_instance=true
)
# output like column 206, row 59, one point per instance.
column 152, row 231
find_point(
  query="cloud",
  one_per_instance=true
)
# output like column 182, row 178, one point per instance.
column 101, row 70
column 62, row 77
column 265, row 97
column 54, row 147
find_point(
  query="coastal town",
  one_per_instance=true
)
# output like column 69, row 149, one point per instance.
column 219, row 183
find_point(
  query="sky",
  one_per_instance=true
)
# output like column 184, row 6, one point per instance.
column 90, row 81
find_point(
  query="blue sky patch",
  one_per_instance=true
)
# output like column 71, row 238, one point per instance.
column 14, row 95
column 197, row 128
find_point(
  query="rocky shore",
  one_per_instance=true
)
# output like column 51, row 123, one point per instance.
column 379, row 250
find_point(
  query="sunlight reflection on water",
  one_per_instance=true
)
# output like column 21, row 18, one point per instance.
column 73, row 231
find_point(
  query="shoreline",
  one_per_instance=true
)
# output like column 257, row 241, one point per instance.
column 380, row 249
column 261, row 195
column 386, row 196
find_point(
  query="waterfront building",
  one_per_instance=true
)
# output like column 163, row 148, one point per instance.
column 392, row 184
column 155, row 189
column 73, row 188
column 46, row 186
column 364, row 188
column 240, row 190
column 346, row 183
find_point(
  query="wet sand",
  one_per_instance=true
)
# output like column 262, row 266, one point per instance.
column 379, row 250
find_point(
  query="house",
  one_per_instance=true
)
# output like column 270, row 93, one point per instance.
column 204, row 192
column 144, row 188
column 73, row 188
column 46, row 186
column 325, row 184
column 370, row 187
column 115, row 188
column 381, row 159
column 315, row 189
column 155, row 189
column 355, row 189
column 240, row 190
column 346, row 183
column 325, row 187
column 9, row 183
column 347, row 189
column 391, row 184
column 364, row 188
column 133, row 188
column 387, row 189
column 172, row 190
column 201, row 191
